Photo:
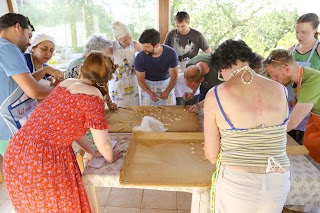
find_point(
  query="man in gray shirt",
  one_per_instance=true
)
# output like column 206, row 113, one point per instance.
column 186, row 42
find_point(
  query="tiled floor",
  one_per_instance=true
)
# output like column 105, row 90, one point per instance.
column 116, row 200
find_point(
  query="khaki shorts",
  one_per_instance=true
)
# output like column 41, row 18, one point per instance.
column 243, row 192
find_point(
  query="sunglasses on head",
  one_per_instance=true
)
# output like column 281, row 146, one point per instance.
column 269, row 60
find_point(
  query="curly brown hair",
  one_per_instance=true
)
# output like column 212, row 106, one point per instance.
column 98, row 68
column 229, row 52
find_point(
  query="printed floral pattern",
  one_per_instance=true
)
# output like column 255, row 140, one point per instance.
column 40, row 166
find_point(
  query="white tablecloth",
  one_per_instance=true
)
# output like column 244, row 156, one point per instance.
column 305, row 182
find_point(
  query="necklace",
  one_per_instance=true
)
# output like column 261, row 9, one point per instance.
column 244, row 69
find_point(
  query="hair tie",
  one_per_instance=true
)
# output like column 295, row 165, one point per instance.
column 103, row 85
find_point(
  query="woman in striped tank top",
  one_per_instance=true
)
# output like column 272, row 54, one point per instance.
column 245, row 121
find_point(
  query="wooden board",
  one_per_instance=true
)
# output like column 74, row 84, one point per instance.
column 165, row 159
column 175, row 118
column 293, row 148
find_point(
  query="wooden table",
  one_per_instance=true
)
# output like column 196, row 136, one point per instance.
column 293, row 148
column 150, row 156
column 174, row 118
column 108, row 176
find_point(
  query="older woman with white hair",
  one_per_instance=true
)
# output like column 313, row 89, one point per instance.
column 41, row 50
column 123, row 88
column 95, row 42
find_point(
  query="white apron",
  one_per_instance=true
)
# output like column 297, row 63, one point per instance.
column 157, row 87
column 123, row 87
column 16, row 109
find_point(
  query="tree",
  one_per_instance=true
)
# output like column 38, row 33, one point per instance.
column 261, row 24
column 76, row 18
column 266, row 31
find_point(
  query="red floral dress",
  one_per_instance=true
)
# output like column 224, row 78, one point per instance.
column 40, row 166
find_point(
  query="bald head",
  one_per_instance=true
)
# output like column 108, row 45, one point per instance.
column 193, row 76
column 193, row 73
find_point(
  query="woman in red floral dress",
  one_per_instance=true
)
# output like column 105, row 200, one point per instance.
column 40, row 166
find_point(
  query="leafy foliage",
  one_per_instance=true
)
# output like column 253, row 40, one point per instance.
column 264, row 25
column 261, row 24
column 80, row 18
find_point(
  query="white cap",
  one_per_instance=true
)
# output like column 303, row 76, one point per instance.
column 119, row 29
column 40, row 38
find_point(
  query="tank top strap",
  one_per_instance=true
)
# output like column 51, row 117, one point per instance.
column 221, row 108
column 312, row 51
column 288, row 111
column 294, row 48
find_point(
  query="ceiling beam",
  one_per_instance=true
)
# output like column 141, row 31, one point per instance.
column 10, row 6
column 164, row 18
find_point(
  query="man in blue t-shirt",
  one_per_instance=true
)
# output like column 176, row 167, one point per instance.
column 15, row 32
column 157, row 70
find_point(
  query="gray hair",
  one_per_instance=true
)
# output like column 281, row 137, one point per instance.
column 97, row 42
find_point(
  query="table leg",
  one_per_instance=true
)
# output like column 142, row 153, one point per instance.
column 92, row 197
column 1, row 178
column 200, row 203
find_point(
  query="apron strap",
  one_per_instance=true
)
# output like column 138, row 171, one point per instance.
column 299, row 80
column 313, row 49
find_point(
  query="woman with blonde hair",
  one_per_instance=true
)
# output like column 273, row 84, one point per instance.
column 96, row 42
column 40, row 166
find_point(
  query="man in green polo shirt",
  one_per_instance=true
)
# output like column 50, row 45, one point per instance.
column 305, row 82
column 200, row 71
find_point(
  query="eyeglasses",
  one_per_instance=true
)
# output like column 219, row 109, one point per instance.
column 269, row 60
